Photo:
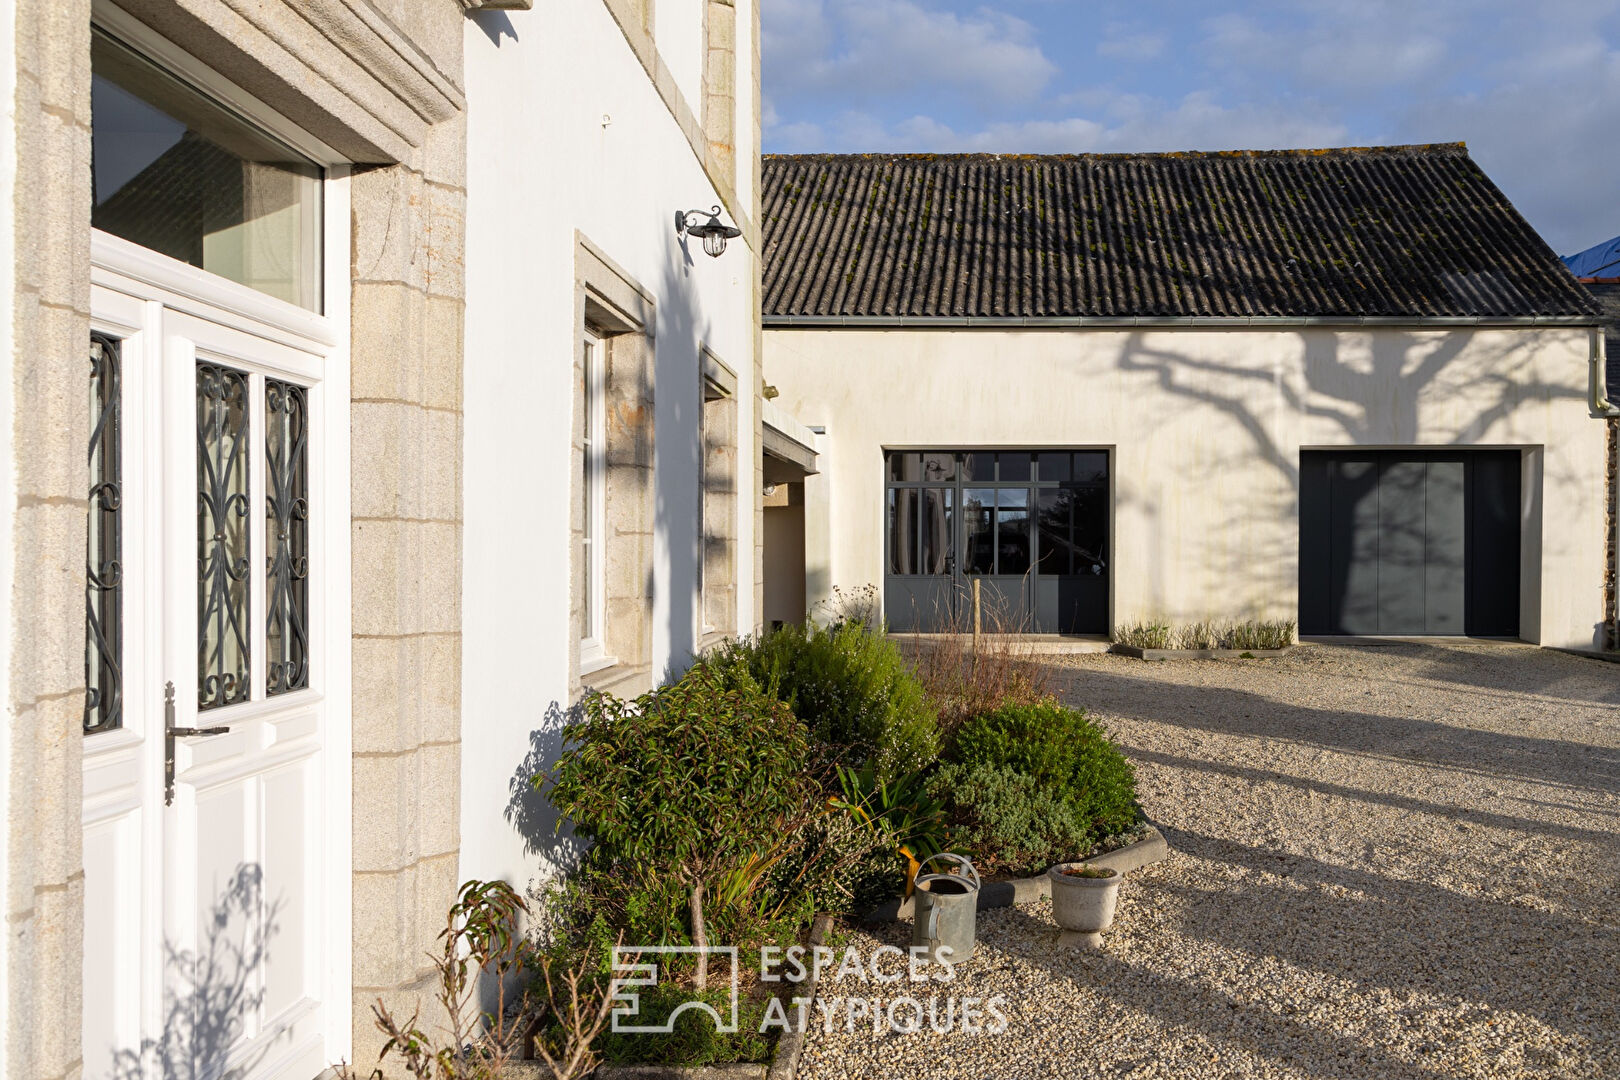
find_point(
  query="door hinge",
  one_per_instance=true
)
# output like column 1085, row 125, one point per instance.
column 170, row 733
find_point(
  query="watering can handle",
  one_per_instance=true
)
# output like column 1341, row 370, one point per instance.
column 958, row 859
column 933, row 922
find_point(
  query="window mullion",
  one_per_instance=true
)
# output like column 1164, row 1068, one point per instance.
column 258, row 556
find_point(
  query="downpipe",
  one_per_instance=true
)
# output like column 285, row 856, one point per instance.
column 1603, row 409
column 1597, row 379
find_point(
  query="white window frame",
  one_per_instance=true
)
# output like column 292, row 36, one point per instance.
column 709, row 392
column 593, row 655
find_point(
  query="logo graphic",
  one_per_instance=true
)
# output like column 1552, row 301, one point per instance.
column 628, row 974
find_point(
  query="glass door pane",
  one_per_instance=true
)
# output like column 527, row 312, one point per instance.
column 223, row 544
column 979, row 530
column 1056, row 543
column 1013, row 543
column 286, row 536
column 104, row 571
column 903, row 531
column 935, row 521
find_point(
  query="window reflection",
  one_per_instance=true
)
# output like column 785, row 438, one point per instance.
column 936, row 530
column 1091, row 467
column 902, row 531
column 1012, row 530
column 177, row 173
column 1054, row 520
column 979, row 530
column 1013, row 466
column 978, row 466
column 1055, row 541
column 937, row 467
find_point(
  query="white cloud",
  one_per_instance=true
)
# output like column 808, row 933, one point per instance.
column 1534, row 88
column 1123, row 42
column 1549, row 142
column 1363, row 47
column 869, row 47
column 1128, row 123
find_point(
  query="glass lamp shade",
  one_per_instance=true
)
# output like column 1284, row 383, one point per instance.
column 714, row 242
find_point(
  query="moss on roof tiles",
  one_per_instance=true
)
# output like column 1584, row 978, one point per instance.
column 1275, row 232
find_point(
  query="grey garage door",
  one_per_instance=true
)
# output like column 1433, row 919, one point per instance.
column 1409, row 542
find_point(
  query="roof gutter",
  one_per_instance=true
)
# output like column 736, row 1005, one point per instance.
column 1167, row 322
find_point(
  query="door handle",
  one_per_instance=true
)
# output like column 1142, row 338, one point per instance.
column 171, row 733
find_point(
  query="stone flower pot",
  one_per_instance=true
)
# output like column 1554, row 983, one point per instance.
column 1083, row 901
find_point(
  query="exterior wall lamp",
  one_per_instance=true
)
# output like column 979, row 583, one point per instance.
column 714, row 233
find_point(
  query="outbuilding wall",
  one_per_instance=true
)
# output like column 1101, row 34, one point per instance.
column 1206, row 428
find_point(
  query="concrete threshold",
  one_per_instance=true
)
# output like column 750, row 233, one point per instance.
column 1374, row 640
column 1027, row 644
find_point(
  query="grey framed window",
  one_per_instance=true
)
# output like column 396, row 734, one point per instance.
column 104, row 573
column 996, row 512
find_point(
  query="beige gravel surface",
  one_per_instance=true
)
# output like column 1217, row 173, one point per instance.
column 1388, row 862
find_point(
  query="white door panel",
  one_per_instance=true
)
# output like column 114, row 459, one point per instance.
column 209, row 885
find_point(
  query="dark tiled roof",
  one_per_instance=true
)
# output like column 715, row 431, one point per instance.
column 1607, row 294
column 1397, row 231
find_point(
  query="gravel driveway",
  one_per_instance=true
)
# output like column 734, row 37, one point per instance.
column 1388, row 862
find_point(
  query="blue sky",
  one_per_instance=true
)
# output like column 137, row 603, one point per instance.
column 1533, row 86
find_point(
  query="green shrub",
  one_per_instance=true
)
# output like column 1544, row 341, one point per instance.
column 1204, row 634
column 901, row 816
column 1208, row 634
column 693, row 784
column 851, row 687
column 1064, row 752
column 1009, row 820
column 833, row 864
column 1143, row 635
column 694, row 1041
column 1275, row 634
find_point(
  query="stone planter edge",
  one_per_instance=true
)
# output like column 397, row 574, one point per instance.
column 1193, row 654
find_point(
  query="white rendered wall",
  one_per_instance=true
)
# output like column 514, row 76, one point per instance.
column 678, row 28
column 1206, row 427
column 566, row 132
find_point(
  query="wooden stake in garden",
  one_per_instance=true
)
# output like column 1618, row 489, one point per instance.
column 976, row 584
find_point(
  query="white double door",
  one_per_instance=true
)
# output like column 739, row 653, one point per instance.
column 211, row 929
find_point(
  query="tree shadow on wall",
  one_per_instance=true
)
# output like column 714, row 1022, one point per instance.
column 1374, row 399
column 683, row 332
column 528, row 811
column 673, row 383
column 210, row 995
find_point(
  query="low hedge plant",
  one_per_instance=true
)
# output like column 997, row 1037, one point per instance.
column 1067, row 756
column 850, row 686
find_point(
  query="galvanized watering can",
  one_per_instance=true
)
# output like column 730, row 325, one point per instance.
column 945, row 909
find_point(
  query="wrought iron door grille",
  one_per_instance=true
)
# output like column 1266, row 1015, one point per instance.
column 104, row 573
column 286, row 536
column 224, row 547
